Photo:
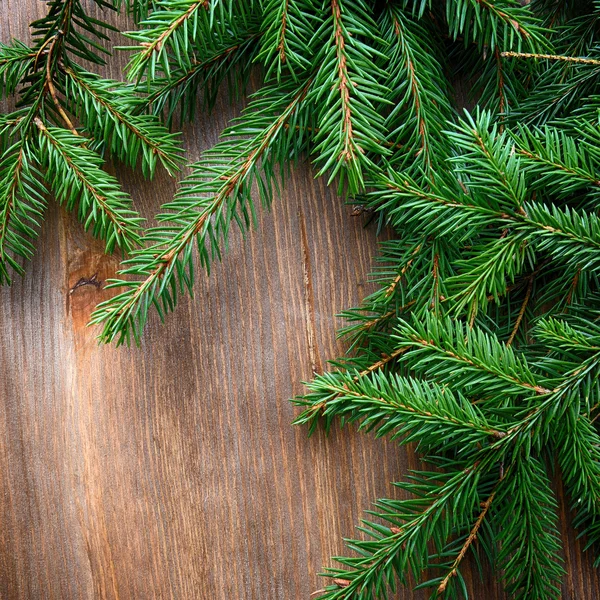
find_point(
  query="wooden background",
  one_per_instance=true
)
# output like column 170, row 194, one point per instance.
column 172, row 471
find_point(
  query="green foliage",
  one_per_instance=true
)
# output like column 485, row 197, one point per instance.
column 288, row 39
column 530, row 554
column 401, row 545
column 348, row 94
column 139, row 9
column 217, row 194
column 419, row 93
column 481, row 342
column 22, row 205
column 65, row 119
column 110, row 114
column 15, row 59
column 179, row 33
column 74, row 175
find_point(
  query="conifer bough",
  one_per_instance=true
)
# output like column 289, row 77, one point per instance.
column 65, row 120
column 482, row 343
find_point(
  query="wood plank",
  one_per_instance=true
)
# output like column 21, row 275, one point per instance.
column 172, row 470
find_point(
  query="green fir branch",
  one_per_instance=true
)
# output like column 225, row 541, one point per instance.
column 107, row 109
column 349, row 130
column 74, row 175
column 22, row 206
column 216, row 195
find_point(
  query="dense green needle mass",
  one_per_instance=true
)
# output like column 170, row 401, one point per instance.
column 64, row 121
column 482, row 341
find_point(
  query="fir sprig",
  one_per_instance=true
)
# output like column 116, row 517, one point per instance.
column 349, row 94
column 65, row 117
column 110, row 114
column 216, row 195
column 74, row 176
column 418, row 88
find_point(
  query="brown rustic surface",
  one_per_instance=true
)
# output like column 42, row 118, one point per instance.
column 172, row 471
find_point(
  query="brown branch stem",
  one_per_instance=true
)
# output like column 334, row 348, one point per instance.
column 52, row 89
column 522, row 311
column 558, row 57
column 468, row 542
column 347, row 153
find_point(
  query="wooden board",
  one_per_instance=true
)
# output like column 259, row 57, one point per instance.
column 172, row 471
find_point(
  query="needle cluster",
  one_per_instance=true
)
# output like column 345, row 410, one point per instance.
column 65, row 120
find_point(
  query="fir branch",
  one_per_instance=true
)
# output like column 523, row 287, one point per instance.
column 15, row 60
column 566, row 337
column 73, row 173
column 22, row 205
column 482, row 342
column 503, row 24
column 488, row 188
column 484, row 275
column 350, row 126
column 226, row 175
column 521, row 314
column 167, row 27
column 556, row 163
column 55, row 95
column 106, row 108
column 530, row 550
column 486, row 160
column 288, row 41
column 413, row 278
column 68, row 30
column 418, row 90
column 391, row 404
column 180, row 90
column 571, row 237
column 562, row 83
column 579, row 456
column 562, row 232
column 318, row 402
column 138, row 8
column 453, row 572
column 180, row 33
column 403, row 546
column 454, row 354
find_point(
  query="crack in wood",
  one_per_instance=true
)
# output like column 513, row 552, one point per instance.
column 309, row 300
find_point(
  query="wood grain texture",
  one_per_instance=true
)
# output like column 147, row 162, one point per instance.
column 172, row 470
